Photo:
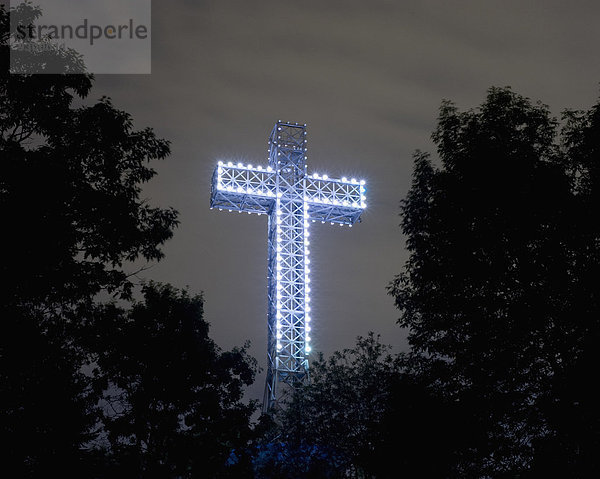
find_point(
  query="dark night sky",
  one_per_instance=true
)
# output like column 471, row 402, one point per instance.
column 367, row 78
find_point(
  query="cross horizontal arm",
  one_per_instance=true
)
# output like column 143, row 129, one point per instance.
column 243, row 188
column 336, row 201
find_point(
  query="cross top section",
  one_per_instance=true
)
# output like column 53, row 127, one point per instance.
column 292, row 199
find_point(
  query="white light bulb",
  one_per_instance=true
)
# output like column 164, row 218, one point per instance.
column 308, row 349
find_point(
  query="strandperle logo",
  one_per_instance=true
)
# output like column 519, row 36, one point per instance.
column 84, row 31
column 82, row 36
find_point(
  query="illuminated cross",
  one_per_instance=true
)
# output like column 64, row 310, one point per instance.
column 291, row 199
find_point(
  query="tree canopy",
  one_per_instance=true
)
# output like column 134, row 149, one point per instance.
column 172, row 402
column 91, row 388
column 498, row 293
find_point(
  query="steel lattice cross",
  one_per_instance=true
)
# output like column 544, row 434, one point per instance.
column 291, row 199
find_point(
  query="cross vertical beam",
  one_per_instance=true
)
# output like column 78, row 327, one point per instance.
column 291, row 199
column 288, row 320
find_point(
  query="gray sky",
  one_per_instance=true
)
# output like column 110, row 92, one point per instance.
column 367, row 78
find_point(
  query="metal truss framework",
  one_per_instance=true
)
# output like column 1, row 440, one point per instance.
column 291, row 199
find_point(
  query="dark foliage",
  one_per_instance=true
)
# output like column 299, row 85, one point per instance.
column 90, row 389
column 72, row 175
column 172, row 403
column 500, row 294
column 362, row 416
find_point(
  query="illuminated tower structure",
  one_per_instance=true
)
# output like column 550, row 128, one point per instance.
column 292, row 199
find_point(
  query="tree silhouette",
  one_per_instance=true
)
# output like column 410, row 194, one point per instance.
column 498, row 292
column 70, row 191
column 173, row 399
column 572, row 446
column 362, row 416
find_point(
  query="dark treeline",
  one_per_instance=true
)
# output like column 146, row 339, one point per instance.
column 500, row 296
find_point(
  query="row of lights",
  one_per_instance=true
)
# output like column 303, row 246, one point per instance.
column 279, row 285
column 307, row 348
column 268, row 169
column 352, row 181
column 248, row 167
